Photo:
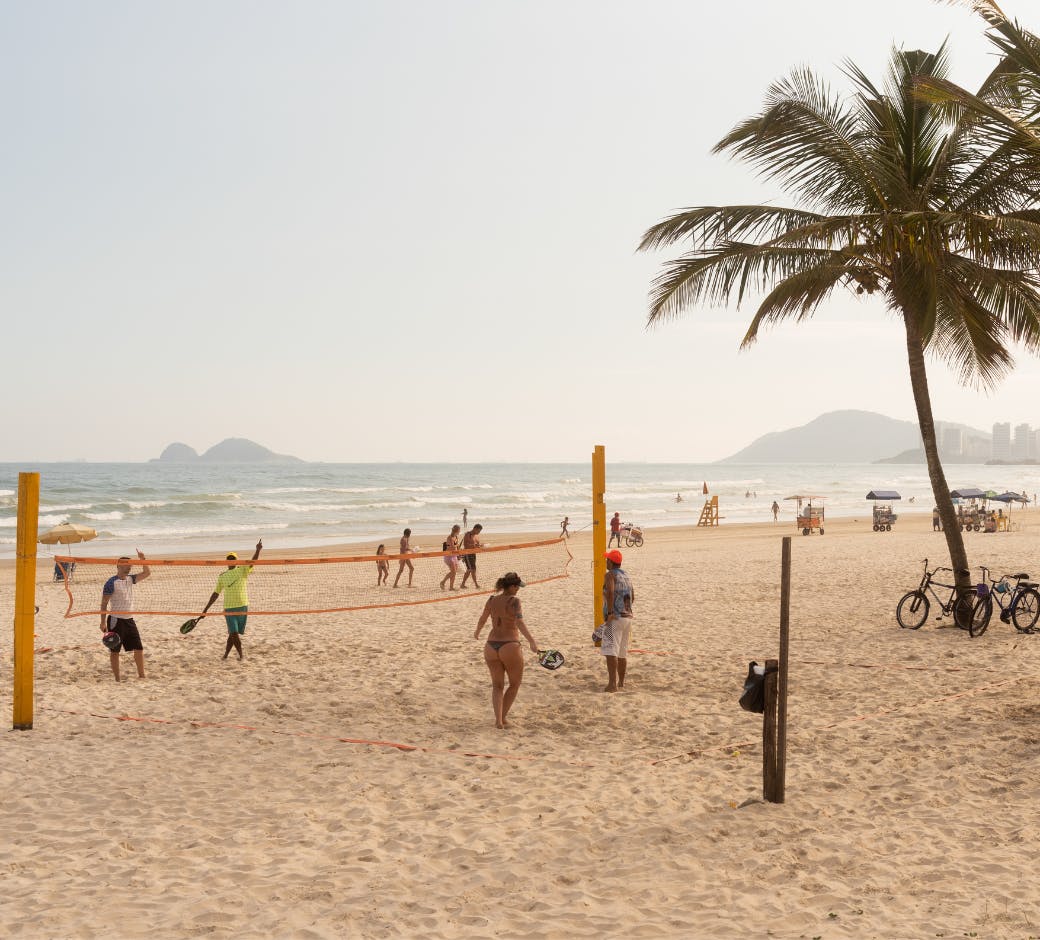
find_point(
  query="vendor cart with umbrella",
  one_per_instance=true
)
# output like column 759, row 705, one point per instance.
column 68, row 533
column 884, row 517
column 969, row 514
column 808, row 517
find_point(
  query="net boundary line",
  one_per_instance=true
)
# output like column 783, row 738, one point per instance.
column 313, row 561
column 310, row 559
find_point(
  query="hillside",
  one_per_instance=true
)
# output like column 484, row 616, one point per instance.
column 837, row 436
column 231, row 450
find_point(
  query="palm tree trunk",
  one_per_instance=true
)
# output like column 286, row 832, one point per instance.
column 940, row 488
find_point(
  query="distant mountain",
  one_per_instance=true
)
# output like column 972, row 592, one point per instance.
column 179, row 452
column 848, row 437
column 231, row 450
column 837, row 436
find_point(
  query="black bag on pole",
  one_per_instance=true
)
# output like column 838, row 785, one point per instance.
column 753, row 698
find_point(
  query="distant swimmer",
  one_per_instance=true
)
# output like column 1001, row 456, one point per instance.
column 678, row 497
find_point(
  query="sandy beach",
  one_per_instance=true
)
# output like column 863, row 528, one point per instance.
column 271, row 798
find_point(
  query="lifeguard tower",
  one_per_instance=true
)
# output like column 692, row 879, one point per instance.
column 710, row 513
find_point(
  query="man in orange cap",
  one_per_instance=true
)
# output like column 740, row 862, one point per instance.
column 618, row 595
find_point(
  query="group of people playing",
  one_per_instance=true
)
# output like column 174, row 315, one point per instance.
column 455, row 554
column 117, row 608
column 503, row 655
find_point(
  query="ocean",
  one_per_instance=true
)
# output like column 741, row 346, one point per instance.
column 164, row 507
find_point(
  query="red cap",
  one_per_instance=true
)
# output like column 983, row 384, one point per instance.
column 614, row 556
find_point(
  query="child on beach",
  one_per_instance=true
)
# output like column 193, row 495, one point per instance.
column 382, row 567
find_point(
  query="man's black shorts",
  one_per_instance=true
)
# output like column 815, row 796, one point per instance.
column 470, row 561
column 127, row 630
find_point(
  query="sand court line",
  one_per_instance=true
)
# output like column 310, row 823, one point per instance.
column 401, row 746
column 397, row 745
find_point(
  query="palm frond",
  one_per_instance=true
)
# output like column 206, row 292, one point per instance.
column 714, row 275
column 806, row 139
column 800, row 295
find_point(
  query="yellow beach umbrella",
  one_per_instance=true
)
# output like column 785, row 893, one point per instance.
column 67, row 533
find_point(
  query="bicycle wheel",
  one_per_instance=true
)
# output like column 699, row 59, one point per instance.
column 964, row 610
column 639, row 541
column 912, row 610
column 980, row 614
column 1026, row 610
column 628, row 542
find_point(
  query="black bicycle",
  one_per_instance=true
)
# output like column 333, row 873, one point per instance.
column 964, row 604
column 1018, row 600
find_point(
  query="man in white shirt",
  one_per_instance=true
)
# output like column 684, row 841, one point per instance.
column 117, row 612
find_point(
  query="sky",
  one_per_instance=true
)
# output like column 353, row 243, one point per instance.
column 406, row 231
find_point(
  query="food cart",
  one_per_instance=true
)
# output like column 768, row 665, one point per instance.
column 807, row 516
column 884, row 517
column 969, row 514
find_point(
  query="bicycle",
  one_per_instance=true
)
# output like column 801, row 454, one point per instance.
column 964, row 604
column 1019, row 603
column 633, row 535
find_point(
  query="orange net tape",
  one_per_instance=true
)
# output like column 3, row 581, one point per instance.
column 315, row 585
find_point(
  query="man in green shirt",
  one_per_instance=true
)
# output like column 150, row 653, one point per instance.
column 232, row 584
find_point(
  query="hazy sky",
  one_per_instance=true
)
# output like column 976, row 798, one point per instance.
column 407, row 230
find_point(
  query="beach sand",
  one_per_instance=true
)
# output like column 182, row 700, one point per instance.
column 239, row 802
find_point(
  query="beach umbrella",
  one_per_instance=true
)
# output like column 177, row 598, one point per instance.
column 68, row 533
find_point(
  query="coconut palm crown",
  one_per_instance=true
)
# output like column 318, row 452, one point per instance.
column 894, row 196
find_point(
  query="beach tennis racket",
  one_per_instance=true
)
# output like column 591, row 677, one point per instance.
column 189, row 625
column 550, row 659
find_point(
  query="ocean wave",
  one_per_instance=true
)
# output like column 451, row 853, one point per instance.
column 152, row 504
column 10, row 522
column 103, row 516
column 167, row 531
column 69, row 507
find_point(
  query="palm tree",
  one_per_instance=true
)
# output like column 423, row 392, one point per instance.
column 894, row 196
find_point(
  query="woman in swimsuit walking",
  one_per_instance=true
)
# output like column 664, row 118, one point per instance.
column 451, row 543
column 502, row 652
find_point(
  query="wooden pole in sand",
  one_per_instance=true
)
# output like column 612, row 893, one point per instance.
column 774, row 721
column 599, row 532
column 25, row 598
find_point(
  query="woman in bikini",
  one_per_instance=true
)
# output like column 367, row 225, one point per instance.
column 502, row 652
column 451, row 544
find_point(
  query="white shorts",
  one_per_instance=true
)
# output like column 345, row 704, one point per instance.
column 616, row 636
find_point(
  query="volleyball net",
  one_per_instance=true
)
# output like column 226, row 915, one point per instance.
column 316, row 585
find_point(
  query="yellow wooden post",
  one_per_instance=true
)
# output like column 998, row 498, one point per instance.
column 25, row 598
column 599, row 532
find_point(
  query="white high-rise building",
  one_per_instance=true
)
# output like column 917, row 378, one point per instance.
column 952, row 442
column 1002, row 440
column 1020, row 447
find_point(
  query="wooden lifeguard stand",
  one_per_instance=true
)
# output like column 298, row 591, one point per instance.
column 710, row 512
